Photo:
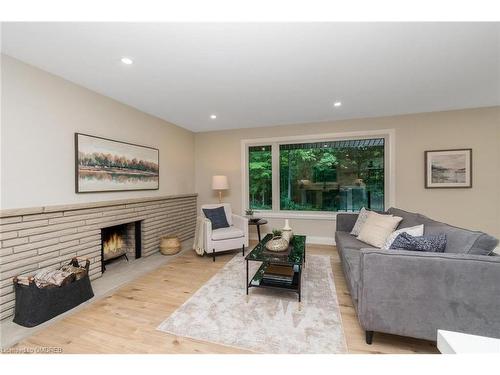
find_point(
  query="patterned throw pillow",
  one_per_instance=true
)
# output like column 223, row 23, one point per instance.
column 363, row 215
column 432, row 243
column 417, row 230
column 217, row 216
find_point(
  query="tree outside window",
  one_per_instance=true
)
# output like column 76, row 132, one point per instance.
column 326, row 176
column 260, row 177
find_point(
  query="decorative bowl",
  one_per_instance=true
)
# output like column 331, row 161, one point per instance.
column 277, row 244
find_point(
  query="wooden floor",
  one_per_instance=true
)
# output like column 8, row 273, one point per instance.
column 126, row 321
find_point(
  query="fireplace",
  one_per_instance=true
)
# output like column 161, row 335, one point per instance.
column 120, row 241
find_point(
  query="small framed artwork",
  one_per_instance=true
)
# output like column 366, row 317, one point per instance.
column 448, row 168
column 103, row 164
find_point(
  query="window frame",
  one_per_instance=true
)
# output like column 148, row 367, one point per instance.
column 247, row 185
column 275, row 142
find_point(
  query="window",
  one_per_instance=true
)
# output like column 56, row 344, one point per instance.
column 332, row 176
column 311, row 177
column 260, row 177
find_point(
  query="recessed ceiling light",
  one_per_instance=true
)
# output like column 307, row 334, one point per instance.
column 127, row 61
column 337, row 104
column 213, row 117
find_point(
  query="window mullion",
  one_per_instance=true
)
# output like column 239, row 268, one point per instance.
column 275, row 157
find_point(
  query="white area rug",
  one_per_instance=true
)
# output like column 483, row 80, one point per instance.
column 267, row 321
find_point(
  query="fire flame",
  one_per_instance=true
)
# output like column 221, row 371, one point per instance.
column 114, row 244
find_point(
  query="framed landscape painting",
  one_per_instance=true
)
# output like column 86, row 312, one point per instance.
column 103, row 164
column 448, row 168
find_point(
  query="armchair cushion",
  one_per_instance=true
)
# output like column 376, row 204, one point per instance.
column 227, row 233
column 217, row 216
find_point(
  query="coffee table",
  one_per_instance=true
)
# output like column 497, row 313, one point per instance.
column 294, row 259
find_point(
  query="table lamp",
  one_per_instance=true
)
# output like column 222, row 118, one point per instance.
column 220, row 183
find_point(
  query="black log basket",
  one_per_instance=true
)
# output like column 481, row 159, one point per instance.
column 37, row 305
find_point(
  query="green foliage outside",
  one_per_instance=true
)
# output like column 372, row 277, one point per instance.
column 314, row 179
column 260, row 178
column 317, row 179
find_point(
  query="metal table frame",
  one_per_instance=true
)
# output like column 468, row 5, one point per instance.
column 296, row 285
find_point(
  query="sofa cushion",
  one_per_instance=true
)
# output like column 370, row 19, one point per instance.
column 345, row 240
column 459, row 240
column 484, row 245
column 350, row 264
column 410, row 219
column 344, row 222
column 227, row 233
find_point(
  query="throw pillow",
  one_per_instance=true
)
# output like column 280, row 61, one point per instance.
column 362, row 216
column 377, row 228
column 435, row 243
column 217, row 216
column 417, row 230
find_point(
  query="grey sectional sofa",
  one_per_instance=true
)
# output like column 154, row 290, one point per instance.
column 412, row 293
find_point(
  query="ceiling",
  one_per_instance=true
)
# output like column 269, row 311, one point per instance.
column 260, row 74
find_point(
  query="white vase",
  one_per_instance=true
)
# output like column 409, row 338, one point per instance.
column 287, row 225
column 286, row 232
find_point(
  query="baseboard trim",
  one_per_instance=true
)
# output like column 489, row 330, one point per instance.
column 316, row 240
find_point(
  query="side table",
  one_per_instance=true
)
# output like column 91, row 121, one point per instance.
column 258, row 223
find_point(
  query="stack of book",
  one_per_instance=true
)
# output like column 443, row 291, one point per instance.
column 276, row 274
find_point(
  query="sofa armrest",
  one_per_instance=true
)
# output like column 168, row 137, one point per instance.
column 345, row 222
column 241, row 222
column 415, row 293
column 207, row 229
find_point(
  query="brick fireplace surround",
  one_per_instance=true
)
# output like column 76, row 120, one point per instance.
column 47, row 237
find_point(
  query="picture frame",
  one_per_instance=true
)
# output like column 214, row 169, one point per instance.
column 448, row 169
column 108, row 165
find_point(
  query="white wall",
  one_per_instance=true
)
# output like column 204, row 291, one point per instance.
column 219, row 152
column 40, row 114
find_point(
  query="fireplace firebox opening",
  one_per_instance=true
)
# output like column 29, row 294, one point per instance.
column 119, row 241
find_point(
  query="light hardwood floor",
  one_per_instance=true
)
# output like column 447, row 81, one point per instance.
column 126, row 321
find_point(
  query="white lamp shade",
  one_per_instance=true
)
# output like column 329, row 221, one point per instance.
column 220, row 183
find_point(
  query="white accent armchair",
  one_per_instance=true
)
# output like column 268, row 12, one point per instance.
column 233, row 237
